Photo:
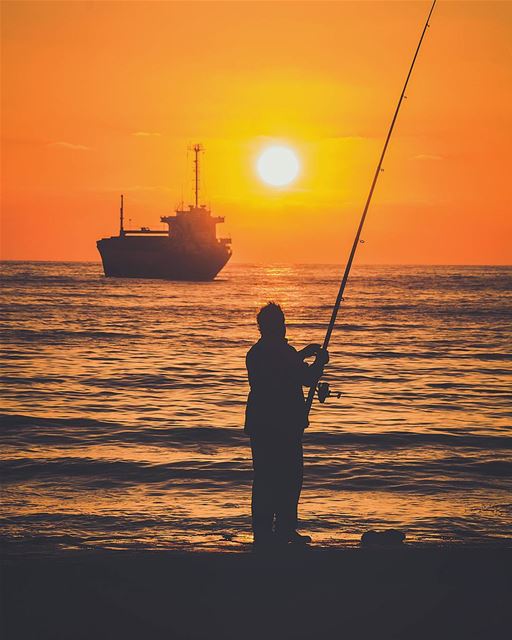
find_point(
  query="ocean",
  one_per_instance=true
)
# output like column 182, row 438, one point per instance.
column 123, row 405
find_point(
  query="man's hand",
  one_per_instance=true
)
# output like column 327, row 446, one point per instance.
column 322, row 357
column 310, row 351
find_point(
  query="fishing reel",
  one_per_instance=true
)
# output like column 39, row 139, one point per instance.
column 323, row 392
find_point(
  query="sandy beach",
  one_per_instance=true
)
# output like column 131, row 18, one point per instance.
column 453, row 592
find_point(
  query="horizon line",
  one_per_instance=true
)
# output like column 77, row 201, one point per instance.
column 334, row 264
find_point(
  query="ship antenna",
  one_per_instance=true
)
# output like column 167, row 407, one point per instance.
column 121, row 217
column 197, row 150
column 346, row 274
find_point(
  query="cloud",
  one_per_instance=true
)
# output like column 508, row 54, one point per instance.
column 428, row 156
column 69, row 145
column 146, row 134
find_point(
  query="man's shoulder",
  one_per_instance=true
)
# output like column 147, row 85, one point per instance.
column 265, row 350
column 253, row 353
column 254, row 349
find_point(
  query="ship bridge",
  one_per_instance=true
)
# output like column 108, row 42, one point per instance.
column 195, row 223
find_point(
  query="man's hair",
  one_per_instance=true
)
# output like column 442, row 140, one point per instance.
column 270, row 319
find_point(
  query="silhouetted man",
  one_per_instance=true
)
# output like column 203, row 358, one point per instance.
column 275, row 421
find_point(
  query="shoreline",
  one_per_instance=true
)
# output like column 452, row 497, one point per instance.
column 14, row 551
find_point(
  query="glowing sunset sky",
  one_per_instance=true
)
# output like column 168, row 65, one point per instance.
column 103, row 98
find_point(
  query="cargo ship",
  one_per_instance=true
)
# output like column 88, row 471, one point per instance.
column 187, row 250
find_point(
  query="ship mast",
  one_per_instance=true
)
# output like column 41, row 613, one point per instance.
column 197, row 148
column 121, row 217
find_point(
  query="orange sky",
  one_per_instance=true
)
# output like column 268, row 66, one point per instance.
column 100, row 98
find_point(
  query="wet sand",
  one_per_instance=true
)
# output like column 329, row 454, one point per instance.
column 454, row 592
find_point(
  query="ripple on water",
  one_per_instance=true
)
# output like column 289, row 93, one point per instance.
column 123, row 404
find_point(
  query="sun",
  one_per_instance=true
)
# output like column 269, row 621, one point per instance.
column 278, row 166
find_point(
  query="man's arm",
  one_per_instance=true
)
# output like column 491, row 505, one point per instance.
column 313, row 372
column 309, row 351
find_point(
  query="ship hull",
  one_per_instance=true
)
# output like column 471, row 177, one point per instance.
column 161, row 257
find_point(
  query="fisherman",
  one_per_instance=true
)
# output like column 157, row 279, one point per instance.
column 275, row 420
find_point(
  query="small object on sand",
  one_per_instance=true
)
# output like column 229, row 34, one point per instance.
column 386, row 538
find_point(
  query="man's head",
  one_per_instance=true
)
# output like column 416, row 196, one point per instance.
column 271, row 321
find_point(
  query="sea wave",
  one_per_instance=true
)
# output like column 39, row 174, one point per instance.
column 451, row 473
column 136, row 389
column 25, row 430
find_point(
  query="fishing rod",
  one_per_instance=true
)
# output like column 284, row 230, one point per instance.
column 323, row 387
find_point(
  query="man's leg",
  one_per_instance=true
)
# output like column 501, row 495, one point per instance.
column 290, row 485
column 262, row 507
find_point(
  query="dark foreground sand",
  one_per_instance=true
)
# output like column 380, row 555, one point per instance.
column 361, row 593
